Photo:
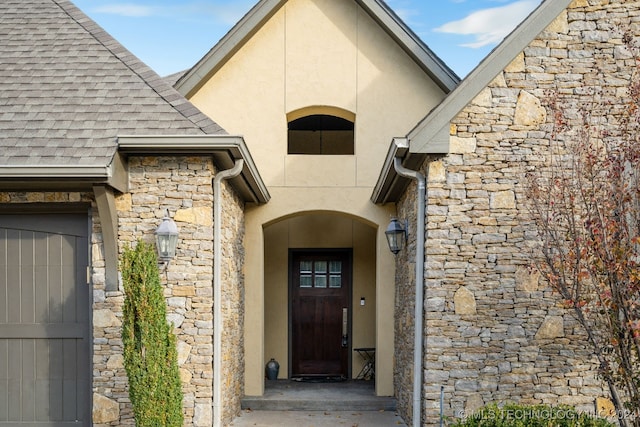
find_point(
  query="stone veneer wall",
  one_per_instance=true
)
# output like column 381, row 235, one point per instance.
column 232, row 236
column 405, row 307
column 494, row 331
column 184, row 186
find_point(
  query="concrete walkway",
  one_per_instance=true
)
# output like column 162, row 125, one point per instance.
column 318, row 419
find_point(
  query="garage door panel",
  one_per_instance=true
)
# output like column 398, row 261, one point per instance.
column 66, row 224
column 14, row 385
column 41, row 299
column 83, row 302
column 42, row 397
column 28, row 360
column 4, row 377
column 27, row 278
column 13, row 276
column 3, row 287
column 45, row 329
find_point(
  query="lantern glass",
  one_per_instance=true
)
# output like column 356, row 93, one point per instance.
column 396, row 235
column 167, row 239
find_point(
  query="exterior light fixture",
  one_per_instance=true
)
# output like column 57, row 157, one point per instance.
column 167, row 239
column 396, row 235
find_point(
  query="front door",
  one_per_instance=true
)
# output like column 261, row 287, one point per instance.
column 320, row 312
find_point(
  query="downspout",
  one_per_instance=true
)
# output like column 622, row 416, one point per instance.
column 217, row 288
column 419, row 301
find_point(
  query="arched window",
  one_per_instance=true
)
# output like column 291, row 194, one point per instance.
column 321, row 134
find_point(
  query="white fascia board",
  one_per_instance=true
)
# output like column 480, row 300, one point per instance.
column 55, row 171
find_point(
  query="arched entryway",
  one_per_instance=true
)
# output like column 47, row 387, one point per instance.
column 275, row 245
column 320, row 294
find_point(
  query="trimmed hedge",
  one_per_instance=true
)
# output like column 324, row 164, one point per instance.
column 513, row 415
column 150, row 353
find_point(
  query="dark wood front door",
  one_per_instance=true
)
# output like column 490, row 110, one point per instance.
column 320, row 312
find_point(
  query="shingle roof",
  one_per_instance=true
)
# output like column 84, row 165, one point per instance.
column 67, row 89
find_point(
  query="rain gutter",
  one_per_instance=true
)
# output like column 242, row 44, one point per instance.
column 419, row 292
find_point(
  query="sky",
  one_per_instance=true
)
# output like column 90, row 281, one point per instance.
column 172, row 35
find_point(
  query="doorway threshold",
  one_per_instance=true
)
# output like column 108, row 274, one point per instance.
column 289, row 395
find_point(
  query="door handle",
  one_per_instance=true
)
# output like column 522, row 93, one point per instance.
column 345, row 327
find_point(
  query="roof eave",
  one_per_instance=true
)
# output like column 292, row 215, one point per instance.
column 224, row 149
column 390, row 186
column 63, row 177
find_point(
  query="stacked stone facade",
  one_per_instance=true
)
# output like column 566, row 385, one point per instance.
column 233, row 292
column 183, row 185
column 494, row 331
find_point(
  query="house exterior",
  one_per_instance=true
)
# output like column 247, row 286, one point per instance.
column 494, row 331
column 282, row 252
column 367, row 70
column 95, row 148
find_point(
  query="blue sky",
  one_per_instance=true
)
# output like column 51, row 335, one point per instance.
column 172, row 35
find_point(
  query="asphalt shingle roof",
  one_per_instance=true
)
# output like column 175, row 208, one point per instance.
column 68, row 89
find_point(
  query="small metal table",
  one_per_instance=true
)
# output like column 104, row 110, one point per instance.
column 368, row 371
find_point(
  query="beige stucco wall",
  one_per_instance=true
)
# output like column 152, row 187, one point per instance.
column 317, row 54
column 308, row 202
column 286, row 66
column 318, row 231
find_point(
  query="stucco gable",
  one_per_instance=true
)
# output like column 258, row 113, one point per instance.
column 264, row 10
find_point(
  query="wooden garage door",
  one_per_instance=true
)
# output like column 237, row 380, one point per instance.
column 44, row 320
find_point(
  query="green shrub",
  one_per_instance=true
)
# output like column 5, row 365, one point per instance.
column 150, row 354
column 512, row 415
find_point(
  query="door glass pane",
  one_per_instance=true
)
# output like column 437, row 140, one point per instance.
column 335, row 270
column 306, row 274
column 305, row 281
column 321, row 267
column 335, row 281
column 321, row 274
column 305, row 267
column 321, row 281
column 335, row 267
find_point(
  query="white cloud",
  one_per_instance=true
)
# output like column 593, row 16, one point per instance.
column 126, row 9
column 490, row 26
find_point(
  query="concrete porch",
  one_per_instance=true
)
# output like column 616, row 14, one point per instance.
column 288, row 395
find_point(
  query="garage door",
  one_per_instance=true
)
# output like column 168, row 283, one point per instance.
column 44, row 320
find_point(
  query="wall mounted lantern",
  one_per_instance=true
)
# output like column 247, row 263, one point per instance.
column 167, row 239
column 396, row 235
